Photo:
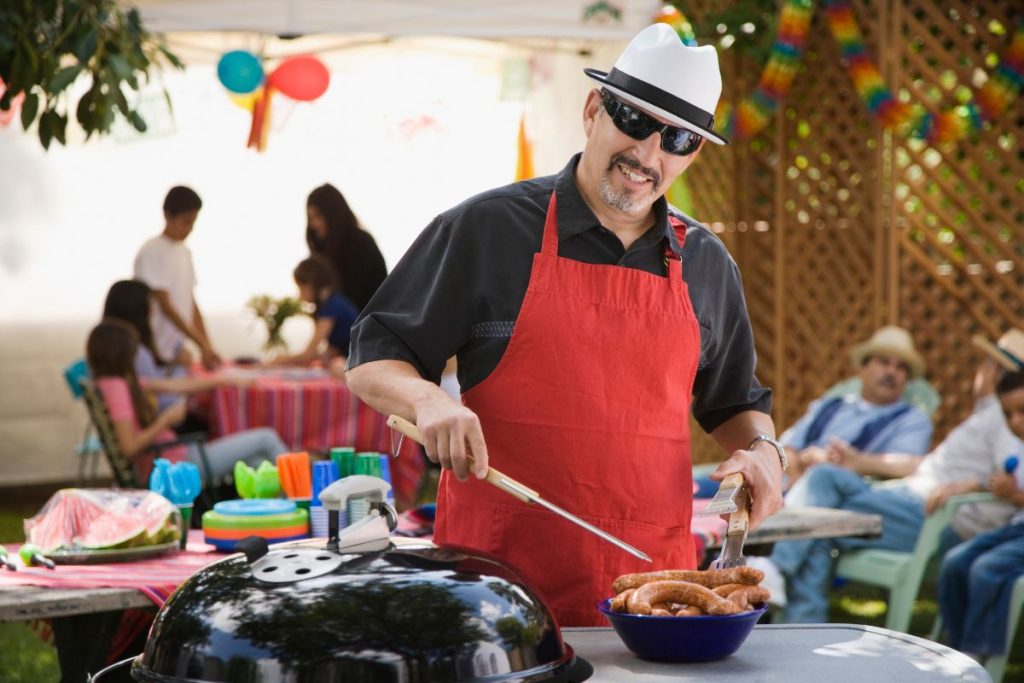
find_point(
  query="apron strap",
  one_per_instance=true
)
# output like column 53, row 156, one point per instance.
column 550, row 243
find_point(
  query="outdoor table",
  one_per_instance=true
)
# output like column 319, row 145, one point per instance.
column 311, row 411
column 797, row 653
column 791, row 523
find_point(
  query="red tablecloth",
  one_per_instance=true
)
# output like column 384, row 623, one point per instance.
column 155, row 578
column 314, row 413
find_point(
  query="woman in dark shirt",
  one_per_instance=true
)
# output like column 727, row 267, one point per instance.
column 333, row 231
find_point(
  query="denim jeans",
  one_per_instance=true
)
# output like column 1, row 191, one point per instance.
column 807, row 564
column 975, row 584
column 251, row 446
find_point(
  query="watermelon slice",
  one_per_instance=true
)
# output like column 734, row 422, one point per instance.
column 103, row 519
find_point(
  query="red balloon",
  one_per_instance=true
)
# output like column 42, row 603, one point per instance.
column 302, row 78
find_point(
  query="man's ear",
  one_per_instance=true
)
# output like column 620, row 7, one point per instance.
column 591, row 110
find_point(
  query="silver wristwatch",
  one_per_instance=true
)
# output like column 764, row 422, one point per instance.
column 783, row 460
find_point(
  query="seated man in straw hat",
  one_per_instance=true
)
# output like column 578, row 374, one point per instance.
column 877, row 420
column 967, row 459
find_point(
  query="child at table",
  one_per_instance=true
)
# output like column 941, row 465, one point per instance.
column 138, row 423
column 333, row 313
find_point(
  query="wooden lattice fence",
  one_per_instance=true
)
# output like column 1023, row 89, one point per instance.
column 840, row 226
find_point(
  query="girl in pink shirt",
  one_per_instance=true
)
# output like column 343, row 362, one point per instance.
column 138, row 423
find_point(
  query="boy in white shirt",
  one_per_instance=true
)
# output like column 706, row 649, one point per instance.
column 165, row 264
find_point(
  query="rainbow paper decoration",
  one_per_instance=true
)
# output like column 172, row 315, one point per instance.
column 952, row 125
column 753, row 113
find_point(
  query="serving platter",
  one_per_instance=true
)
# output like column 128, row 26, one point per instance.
column 87, row 556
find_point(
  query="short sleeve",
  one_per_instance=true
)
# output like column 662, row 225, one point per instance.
column 421, row 313
column 117, row 397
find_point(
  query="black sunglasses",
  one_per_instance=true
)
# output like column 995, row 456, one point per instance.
column 639, row 126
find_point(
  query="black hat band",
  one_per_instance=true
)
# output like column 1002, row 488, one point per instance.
column 660, row 98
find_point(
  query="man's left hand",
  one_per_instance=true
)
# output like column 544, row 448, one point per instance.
column 762, row 473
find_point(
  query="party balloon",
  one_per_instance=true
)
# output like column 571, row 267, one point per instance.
column 240, row 71
column 246, row 101
column 302, row 78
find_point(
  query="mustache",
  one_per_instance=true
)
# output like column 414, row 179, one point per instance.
column 634, row 164
column 888, row 380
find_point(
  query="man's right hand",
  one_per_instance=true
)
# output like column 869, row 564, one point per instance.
column 451, row 436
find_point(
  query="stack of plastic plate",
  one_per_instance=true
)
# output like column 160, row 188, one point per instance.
column 275, row 520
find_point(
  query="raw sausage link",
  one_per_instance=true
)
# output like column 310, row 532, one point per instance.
column 689, row 611
column 726, row 588
column 747, row 596
column 618, row 603
column 649, row 594
column 708, row 579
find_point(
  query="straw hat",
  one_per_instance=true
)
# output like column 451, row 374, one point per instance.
column 679, row 83
column 1008, row 351
column 892, row 341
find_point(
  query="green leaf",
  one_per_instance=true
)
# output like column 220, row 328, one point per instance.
column 85, row 46
column 29, row 108
column 137, row 121
column 63, row 79
column 120, row 100
column 45, row 130
column 60, row 128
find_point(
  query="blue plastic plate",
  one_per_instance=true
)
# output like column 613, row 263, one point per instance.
column 255, row 506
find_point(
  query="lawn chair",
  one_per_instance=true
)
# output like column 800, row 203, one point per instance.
column 89, row 449
column 902, row 572
column 918, row 393
column 996, row 664
column 120, row 465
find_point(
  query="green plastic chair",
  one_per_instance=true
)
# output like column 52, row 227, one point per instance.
column 996, row 664
column 902, row 572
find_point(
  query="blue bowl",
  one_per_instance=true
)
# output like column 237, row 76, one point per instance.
column 682, row 639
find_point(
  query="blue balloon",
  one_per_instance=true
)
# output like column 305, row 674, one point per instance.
column 240, row 71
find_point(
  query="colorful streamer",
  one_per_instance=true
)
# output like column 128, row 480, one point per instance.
column 952, row 125
column 753, row 113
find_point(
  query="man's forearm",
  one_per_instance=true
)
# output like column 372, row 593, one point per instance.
column 738, row 431
column 886, row 465
column 392, row 387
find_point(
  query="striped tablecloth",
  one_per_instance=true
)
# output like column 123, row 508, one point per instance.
column 156, row 578
column 314, row 413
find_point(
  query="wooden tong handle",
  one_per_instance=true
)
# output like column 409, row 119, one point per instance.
column 502, row 481
column 740, row 519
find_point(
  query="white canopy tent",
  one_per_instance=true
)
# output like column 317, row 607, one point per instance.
column 422, row 112
column 559, row 19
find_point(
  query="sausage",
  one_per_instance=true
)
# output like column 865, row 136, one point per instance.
column 661, row 610
column 708, row 579
column 746, row 596
column 689, row 611
column 726, row 588
column 642, row 599
column 618, row 603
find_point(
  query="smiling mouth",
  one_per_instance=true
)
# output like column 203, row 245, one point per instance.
column 634, row 171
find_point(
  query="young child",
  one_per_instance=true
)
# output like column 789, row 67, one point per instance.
column 334, row 314
column 111, row 350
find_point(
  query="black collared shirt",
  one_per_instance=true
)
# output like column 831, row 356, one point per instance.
column 459, row 288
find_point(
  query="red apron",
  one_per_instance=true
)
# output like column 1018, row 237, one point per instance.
column 590, row 407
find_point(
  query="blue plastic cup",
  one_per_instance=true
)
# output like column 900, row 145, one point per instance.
column 325, row 473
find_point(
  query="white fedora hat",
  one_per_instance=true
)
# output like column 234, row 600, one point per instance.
column 659, row 74
column 1008, row 351
column 891, row 341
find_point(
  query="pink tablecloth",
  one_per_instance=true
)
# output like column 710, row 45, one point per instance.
column 315, row 414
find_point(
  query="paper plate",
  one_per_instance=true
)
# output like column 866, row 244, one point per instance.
column 255, row 506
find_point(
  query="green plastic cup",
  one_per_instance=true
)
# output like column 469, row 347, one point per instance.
column 344, row 457
column 186, row 520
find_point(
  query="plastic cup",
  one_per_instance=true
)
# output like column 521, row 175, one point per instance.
column 325, row 473
column 186, row 519
column 344, row 458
